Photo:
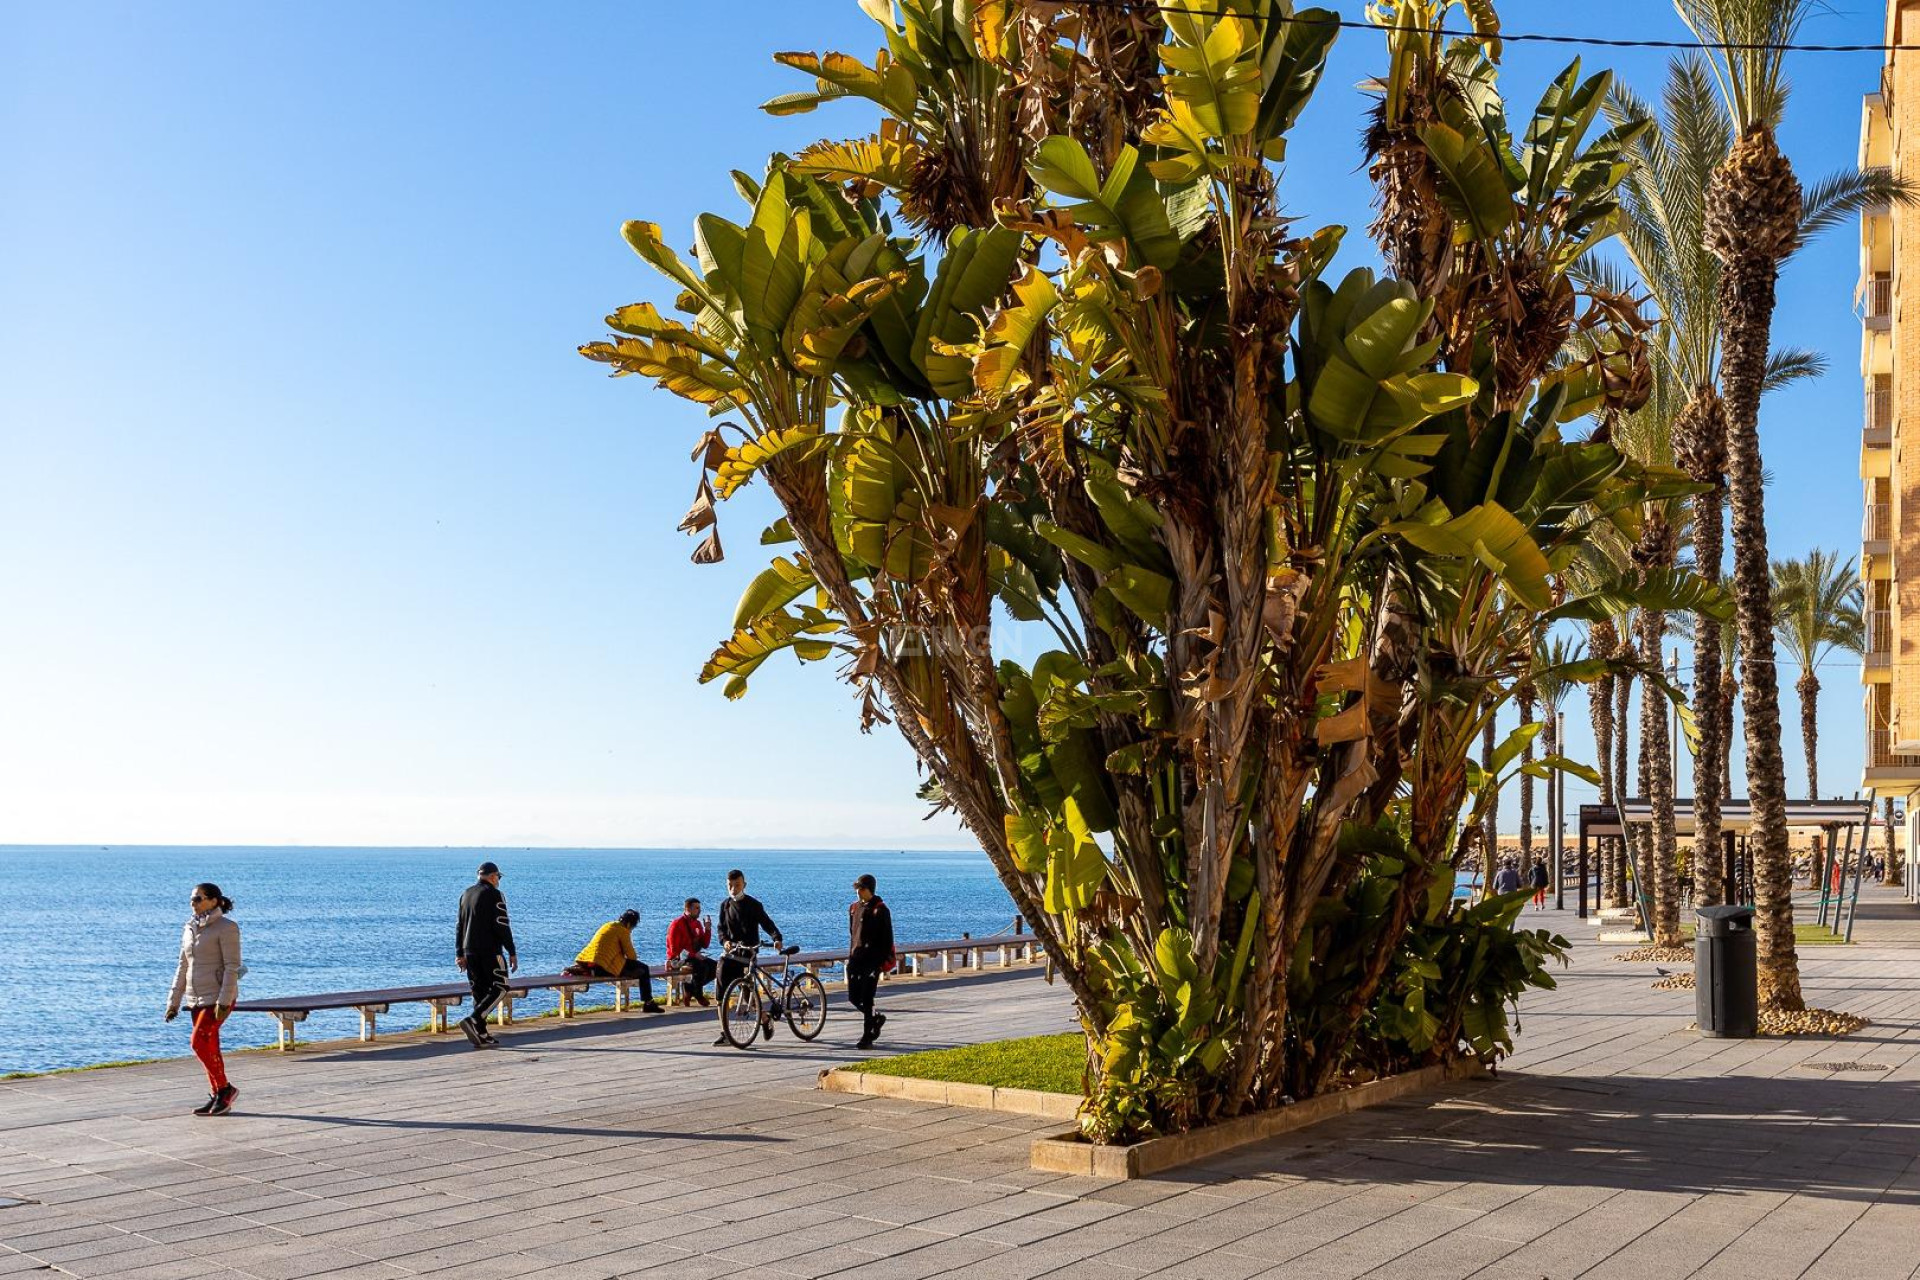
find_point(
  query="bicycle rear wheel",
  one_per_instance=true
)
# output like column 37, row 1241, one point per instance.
column 806, row 1002
column 740, row 1012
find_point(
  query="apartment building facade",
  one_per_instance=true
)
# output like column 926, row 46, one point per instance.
column 1888, row 300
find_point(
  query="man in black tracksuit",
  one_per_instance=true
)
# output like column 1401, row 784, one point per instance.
column 741, row 920
column 869, row 951
column 481, row 937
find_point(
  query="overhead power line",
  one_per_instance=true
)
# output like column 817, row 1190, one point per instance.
column 1536, row 37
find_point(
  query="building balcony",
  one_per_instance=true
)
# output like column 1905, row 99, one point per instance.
column 1886, row 765
column 1876, row 531
column 1877, row 425
column 1877, row 662
column 1876, row 299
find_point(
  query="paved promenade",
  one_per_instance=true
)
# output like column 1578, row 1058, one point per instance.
column 1616, row 1144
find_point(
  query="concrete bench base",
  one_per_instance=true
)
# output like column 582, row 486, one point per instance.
column 1070, row 1153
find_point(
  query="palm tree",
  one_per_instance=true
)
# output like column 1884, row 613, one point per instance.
column 1602, row 638
column 1817, row 605
column 1752, row 219
column 1524, row 696
column 1551, row 683
column 1665, row 241
column 1892, row 873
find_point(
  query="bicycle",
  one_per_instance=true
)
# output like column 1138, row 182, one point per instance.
column 752, row 1001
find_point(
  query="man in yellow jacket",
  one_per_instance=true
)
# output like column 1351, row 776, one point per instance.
column 611, row 955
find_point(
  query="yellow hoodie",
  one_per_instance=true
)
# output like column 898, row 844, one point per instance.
column 611, row 948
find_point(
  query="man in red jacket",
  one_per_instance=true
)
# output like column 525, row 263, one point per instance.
column 688, row 937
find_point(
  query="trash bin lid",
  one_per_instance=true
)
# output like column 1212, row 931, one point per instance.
column 1715, row 921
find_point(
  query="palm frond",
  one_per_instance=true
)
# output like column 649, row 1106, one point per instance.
column 1841, row 197
column 1788, row 365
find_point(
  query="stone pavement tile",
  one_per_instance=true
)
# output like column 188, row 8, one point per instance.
column 1367, row 1249
column 942, row 1258
column 1216, row 1265
column 1880, row 1243
column 177, row 1269
column 1786, row 1241
column 291, row 1260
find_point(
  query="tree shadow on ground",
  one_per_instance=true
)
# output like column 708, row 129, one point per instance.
column 1824, row 1136
column 494, row 1126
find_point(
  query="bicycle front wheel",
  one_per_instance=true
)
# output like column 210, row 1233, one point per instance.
column 806, row 1002
column 740, row 1012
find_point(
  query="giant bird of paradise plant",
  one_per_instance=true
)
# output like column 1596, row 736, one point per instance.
column 1289, row 531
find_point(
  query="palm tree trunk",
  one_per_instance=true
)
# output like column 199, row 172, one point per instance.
column 1892, row 875
column 1525, row 698
column 1622, row 744
column 1700, row 440
column 1662, row 859
column 1491, row 831
column 1753, row 212
column 1600, row 710
column 1729, row 699
column 1808, row 687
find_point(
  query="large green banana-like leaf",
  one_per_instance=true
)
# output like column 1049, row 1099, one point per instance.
column 744, row 460
column 774, row 262
column 642, row 320
column 1293, row 55
column 839, row 75
column 1075, row 866
column 1490, row 534
column 774, row 587
column 1005, row 347
column 1126, row 207
column 1211, row 64
column 742, row 653
column 974, row 273
column 1473, row 181
column 677, row 368
column 883, row 511
column 886, row 159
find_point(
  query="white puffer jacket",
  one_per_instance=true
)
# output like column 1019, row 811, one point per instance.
column 209, row 970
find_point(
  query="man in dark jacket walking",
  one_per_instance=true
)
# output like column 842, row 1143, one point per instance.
column 869, row 952
column 741, row 920
column 482, row 935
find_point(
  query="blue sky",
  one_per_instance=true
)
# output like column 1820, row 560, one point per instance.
column 313, row 527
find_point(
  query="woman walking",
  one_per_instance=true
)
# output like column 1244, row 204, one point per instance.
column 1540, row 880
column 207, row 980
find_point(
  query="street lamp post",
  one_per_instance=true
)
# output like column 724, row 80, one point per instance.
column 1557, row 813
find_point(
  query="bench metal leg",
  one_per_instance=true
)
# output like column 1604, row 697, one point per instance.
column 503, row 1012
column 622, row 996
column 946, row 962
column 916, row 965
column 368, row 1014
column 566, row 1002
column 287, row 1022
column 437, row 1018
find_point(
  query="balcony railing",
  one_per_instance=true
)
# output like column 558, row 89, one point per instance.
column 1879, row 416
column 1878, row 526
column 1881, row 756
column 1877, row 294
column 1879, row 637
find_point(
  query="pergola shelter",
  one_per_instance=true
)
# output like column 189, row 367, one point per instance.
column 1831, row 818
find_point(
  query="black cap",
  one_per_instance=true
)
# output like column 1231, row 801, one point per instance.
column 487, row 869
column 864, row 882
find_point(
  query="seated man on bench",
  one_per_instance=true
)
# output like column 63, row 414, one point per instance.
column 611, row 955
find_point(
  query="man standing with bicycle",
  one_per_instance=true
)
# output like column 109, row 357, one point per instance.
column 741, row 920
column 869, row 951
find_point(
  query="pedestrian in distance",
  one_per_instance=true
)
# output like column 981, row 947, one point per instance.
column 1507, row 878
column 481, row 937
column 611, row 955
column 688, row 938
column 1539, row 879
column 869, row 953
column 207, row 982
column 741, row 920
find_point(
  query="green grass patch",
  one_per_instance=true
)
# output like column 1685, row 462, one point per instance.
column 67, row 1071
column 1050, row 1064
column 1804, row 935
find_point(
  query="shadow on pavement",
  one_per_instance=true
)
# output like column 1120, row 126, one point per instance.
column 1813, row 1135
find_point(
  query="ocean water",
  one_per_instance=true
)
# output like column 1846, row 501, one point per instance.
column 93, row 933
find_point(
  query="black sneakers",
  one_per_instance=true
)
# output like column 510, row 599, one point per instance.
column 206, row 1108
column 879, row 1021
column 766, row 1030
column 221, row 1103
column 475, row 1036
column 722, row 1041
column 651, row 1006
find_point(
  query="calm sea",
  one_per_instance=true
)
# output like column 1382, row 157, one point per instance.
column 91, row 938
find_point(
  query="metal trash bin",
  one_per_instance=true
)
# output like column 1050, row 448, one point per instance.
column 1726, row 973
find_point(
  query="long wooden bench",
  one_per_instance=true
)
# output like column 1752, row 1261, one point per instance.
column 290, row 1011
